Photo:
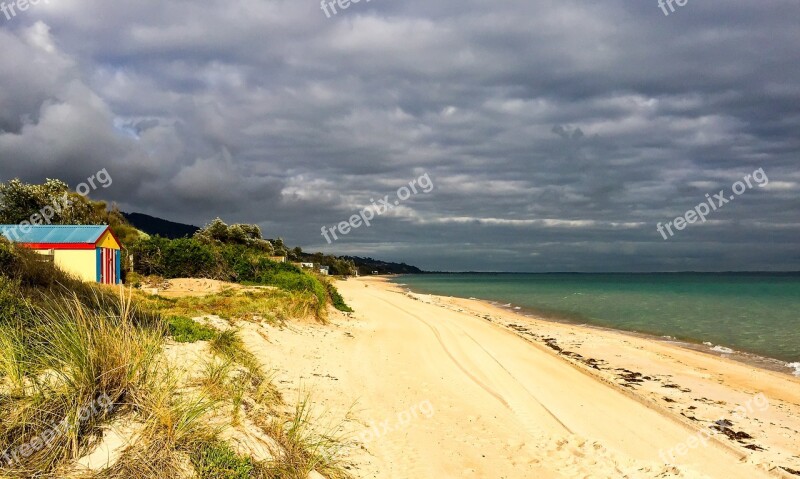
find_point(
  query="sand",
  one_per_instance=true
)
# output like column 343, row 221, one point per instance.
column 435, row 387
column 186, row 287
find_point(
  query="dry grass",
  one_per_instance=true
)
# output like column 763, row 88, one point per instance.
column 272, row 306
column 175, row 426
column 59, row 365
column 303, row 446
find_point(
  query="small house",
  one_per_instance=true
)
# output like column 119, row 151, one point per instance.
column 90, row 253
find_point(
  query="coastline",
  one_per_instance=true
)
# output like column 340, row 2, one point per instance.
column 699, row 345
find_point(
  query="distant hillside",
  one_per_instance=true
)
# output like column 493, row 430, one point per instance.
column 368, row 266
column 157, row 226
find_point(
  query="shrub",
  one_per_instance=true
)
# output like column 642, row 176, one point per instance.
column 207, row 257
column 179, row 258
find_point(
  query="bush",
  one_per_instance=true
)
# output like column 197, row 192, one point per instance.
column 201, row 257
column 180, row 258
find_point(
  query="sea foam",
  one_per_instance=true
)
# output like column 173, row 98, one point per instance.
column 796, row 367
column 722, row 349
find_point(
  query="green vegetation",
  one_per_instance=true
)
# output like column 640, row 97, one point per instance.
column 23, row 202
column 337, row 300
column 217, row 460
column 187, row 330
column 217, row 232
column 230, row 253
column 59, row 364
column 68, row 347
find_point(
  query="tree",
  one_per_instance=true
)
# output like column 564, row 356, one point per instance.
column 53, row 203
column 218, row 232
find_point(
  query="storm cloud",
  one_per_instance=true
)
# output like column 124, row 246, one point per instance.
column 557, row 133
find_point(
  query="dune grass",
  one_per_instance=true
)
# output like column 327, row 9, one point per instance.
column 56, row 368
column 175, row 425
column 303, row 447
column 272, row 306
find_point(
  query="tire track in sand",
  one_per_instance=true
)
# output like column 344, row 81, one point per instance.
column 520, row 412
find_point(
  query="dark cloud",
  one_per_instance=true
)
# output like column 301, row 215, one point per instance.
column 557, row 133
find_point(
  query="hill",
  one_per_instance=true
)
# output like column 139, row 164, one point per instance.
column 161, row 227
column 369, row 266
column 172, row 230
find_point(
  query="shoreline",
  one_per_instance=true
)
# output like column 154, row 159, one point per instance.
column 767, row 363
column 690, row 385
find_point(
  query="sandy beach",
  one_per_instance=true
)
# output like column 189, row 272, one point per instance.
column 434, row 387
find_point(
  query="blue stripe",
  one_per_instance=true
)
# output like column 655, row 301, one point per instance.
column 118, row 258
column 99, row 265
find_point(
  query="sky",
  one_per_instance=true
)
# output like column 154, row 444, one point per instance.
column 556, row 135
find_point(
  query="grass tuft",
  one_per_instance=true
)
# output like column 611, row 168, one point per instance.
column 303, row 448
column 57, row 367
column 216, row 460
column 187, row 330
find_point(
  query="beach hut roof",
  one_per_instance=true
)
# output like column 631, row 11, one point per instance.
column 53, row 234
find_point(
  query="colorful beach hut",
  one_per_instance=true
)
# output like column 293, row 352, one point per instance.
column 91, row 253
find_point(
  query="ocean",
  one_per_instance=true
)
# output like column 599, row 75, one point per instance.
column 756, row 313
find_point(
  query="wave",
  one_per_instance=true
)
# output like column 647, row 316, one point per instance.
column 796, row 367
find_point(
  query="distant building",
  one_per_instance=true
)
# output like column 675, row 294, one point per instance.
column 326, row 270
column 307, row 265
column 90, row 253
column 278, row 259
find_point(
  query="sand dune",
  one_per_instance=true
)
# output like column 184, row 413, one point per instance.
column 500, row 406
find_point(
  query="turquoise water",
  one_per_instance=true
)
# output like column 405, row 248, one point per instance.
column 756, row 313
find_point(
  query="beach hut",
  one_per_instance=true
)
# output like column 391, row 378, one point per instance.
column 90, row 253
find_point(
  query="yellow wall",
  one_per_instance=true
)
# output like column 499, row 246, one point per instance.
column 107, row 241
column 81, row 263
